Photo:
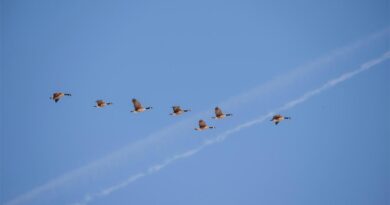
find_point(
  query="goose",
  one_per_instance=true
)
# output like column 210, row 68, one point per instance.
column 178, row 111
column 219, row 114
column 58, row 95
column 278, row 118
column 101, row 103
column 138, row 107
column 203, row 126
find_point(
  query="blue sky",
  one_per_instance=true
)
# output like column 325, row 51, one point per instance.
column 197, row 54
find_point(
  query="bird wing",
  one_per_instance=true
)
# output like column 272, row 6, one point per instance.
column 137, row 104
column 276, row 117
column 176, row 109
column 99, row 102
column 56, row 95
column 202, row 124
column 218, row 112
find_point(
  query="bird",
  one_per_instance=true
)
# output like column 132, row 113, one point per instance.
column 177, row 110
column 101, row 103
column 278, row 118
column 58, row 95
column 138, row 107
column 203, row 126
column 219, row 114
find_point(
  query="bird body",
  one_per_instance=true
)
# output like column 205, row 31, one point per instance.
column 219, row 114
column 278, row 118
column 138, row 106
column 203, row 126
column 102, row 103
column 58, row 95
column 177, row 110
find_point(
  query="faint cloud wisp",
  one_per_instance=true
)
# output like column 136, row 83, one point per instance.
column 92, row 169
column 220, row 138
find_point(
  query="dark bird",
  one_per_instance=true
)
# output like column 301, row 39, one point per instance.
column 138, row 106
column 219, row 114
column 101, row 103
column 58, row 95
column 203, row 126
column 178, row 111
column 278, row 118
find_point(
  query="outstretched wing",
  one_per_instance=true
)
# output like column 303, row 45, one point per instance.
column 218, row 112
column 202, row 124
column 137, row 104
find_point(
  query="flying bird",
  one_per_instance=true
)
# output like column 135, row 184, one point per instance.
column 278, row 118
column 58, row 95
column 219, row 114
column 138, row 107
column 177, row 110
column 203, row 126
column 101, row 103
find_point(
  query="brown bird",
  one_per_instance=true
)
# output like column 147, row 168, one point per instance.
column 203, row 126
column 138, row 107
column 178, row 111
column 219, row 114
column 101, row 103
column 58, row 95
column 278, row 118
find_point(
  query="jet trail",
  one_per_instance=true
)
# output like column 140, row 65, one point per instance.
column 93, row 170
column 220, row 138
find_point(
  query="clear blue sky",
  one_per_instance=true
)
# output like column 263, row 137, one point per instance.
column 335, row 150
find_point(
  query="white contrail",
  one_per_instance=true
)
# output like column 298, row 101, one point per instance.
column 224, row 135
column 302, row 71
column 97, row 168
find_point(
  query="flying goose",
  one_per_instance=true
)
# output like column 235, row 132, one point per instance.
column 101, row 103
column 58, row 95
column 278, row 118
column 138, row 107
column 203, row 126
column 178, row 111
column 219, row 114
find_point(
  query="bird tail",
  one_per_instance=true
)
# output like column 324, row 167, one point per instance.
column 149, row 108
column 68, row 94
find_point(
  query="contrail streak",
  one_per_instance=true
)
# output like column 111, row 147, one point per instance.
column 301, row 71
column 93, row 170
column 220, row 138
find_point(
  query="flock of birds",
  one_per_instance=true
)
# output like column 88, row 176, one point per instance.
column 177, row 110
